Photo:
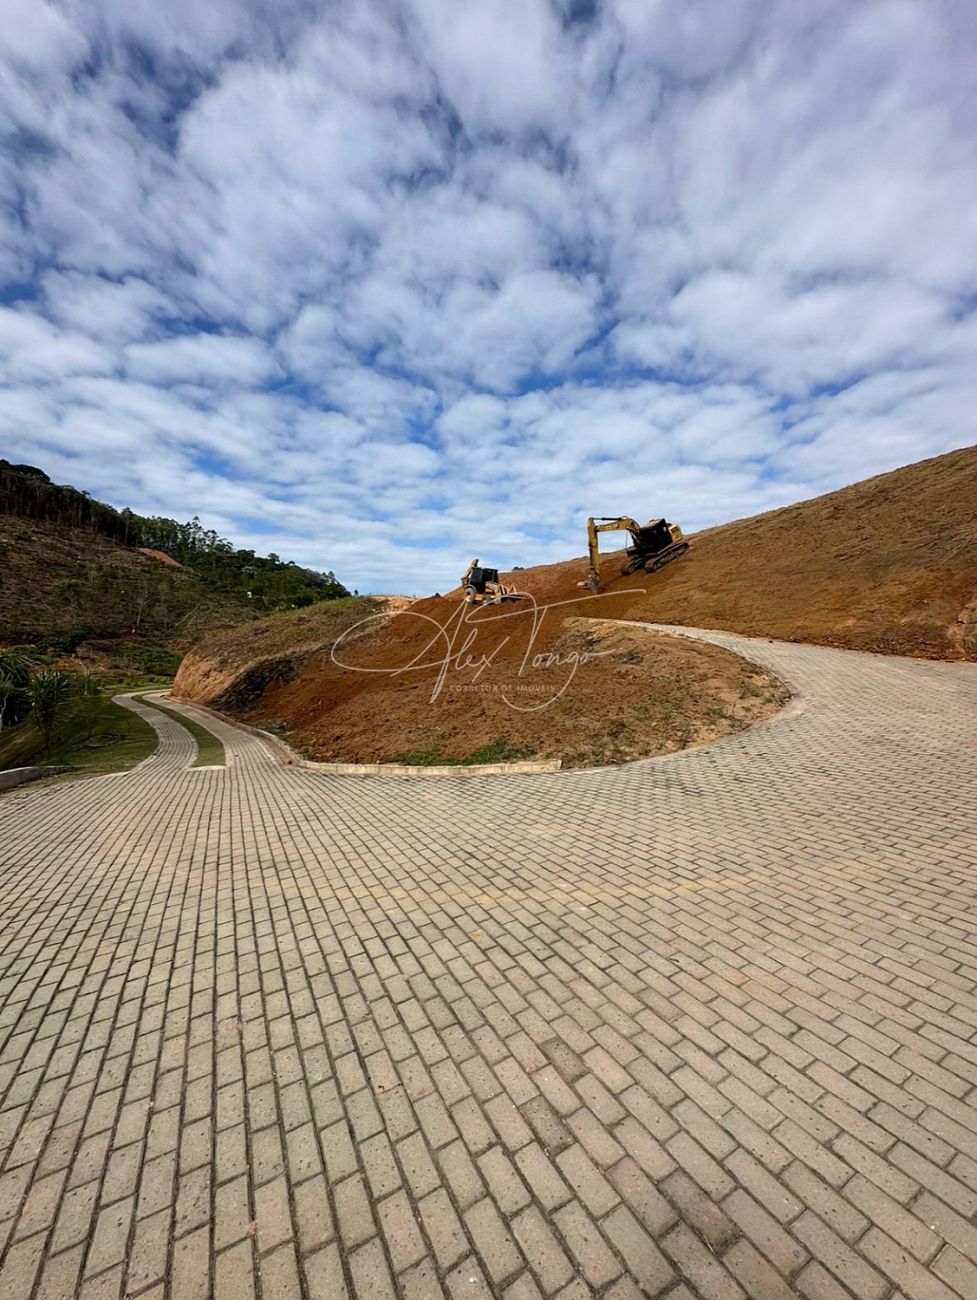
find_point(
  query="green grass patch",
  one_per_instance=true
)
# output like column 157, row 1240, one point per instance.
column 145, row 659
column 500, row 750
column 210, row 751
column 99, row 736
column 288, row 631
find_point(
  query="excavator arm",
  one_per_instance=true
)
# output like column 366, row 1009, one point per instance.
column 604, row 524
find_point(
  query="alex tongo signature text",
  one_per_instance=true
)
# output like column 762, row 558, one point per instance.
column 453, row 648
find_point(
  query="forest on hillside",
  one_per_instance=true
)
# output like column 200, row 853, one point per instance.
column 267, row 582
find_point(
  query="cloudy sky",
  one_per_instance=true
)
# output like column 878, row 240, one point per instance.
column 383, row 285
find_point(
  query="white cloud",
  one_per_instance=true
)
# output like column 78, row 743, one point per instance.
column 381, row 285
column 502, row 63
column 33, row 348
column 202, row 358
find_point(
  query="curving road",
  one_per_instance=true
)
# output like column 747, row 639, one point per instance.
column 703, row 1026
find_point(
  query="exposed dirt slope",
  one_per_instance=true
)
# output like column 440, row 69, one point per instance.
column 236, row 665
column 611, row 693
column 888, row 564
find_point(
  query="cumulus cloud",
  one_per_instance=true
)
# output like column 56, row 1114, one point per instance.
column 383, row 285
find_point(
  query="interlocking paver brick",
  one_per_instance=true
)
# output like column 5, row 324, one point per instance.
column 897, row 1263
column 586, row 1244
column 959, row 1273
column 949, row 1225
column 444, row 1229
column 370, row 1273
column 467, row 1282
column 61, row 1273
column 685, row 1151
column 234, row 1274
column 832, row 1207
column 505, row 1185
column 541, row 1176
column 496, row 1248
column 755, row 1274
column 323, row 1272
column 270, row 1030
column 769, row 1191
column 647, row 1265
column 698, row 1210
column 421, row 1282
column 148, row 1251
column 774, row 1242
column 191, row 1266
column 542, row 1250
column 397, row 1223
column 880, row 1209
column 846, row 1264
column 698, row 1264
column 460, row 1174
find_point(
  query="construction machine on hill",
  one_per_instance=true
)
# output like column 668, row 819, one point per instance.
column 481, row 586
column 653, row 545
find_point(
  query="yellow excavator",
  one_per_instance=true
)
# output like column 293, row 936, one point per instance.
column 653, row 545
column 481, row 586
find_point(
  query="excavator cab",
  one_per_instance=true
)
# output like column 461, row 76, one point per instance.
column 478, row 577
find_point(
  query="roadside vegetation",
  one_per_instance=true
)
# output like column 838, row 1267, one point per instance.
column 79, row 728
column 109, row 593
column 500, row 750
column 291, row 630
column 51, row 717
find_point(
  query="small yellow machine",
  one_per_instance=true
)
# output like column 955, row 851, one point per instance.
column 481, row 586
column 653, row 545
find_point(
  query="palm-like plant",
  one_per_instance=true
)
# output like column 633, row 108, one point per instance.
column 50, row 696
column 15, row 676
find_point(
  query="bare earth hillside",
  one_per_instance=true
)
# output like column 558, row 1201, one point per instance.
column 888, row 564
column 54, row 578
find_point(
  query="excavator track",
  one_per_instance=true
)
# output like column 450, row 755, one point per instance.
column 665, row 557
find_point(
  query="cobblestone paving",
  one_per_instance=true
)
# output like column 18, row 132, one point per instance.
column 704, row 1026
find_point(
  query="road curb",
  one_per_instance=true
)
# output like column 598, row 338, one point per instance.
column 15, row 776
column 450, row 770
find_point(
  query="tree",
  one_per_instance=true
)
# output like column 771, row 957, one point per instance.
column 50, row 697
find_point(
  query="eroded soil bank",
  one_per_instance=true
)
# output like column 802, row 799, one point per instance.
column 494, row 686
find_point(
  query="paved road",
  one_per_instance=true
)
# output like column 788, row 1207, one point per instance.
column 697, row 1027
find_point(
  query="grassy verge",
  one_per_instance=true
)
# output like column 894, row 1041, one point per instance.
column 500, row 750
column 286, row 632
column 105, row 737
column 210, row 751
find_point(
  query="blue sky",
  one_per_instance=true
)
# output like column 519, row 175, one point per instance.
column 381, row 286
